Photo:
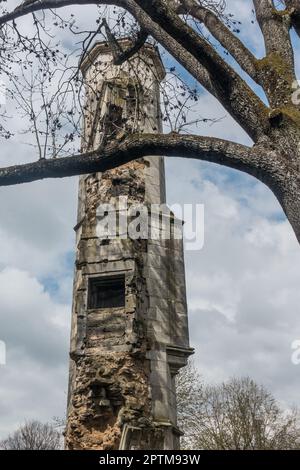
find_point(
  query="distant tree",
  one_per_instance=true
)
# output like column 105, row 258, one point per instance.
column 33, row 435
column 236, row 415
column 189, row 394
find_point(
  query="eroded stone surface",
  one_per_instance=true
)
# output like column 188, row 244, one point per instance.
column 110, row 391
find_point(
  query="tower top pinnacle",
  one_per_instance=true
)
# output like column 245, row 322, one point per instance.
column 103, row 48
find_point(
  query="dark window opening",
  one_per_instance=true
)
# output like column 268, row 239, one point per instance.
column 106, row 292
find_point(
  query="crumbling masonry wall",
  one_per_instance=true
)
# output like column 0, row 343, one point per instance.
column 123, row 360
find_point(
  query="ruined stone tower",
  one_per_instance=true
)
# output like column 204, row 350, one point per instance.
column 129, row 333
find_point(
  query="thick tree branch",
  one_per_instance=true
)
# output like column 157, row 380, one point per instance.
column 275, row 26
column 219, row 30
column 231, row 90
column 133, row 147
column 180, row 53
column 276, row 71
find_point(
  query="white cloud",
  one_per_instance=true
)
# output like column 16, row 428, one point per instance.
column 35, row 329
column 36, row 225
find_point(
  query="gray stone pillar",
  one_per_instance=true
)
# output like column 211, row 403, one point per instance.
column 129, row 333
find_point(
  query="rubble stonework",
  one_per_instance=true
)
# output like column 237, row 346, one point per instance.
column 123, row 360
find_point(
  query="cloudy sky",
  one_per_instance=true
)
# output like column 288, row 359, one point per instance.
column 243, row 286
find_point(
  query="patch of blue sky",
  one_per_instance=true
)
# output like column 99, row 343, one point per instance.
column 170, row 63
column 243, row 188
column 52, row 282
